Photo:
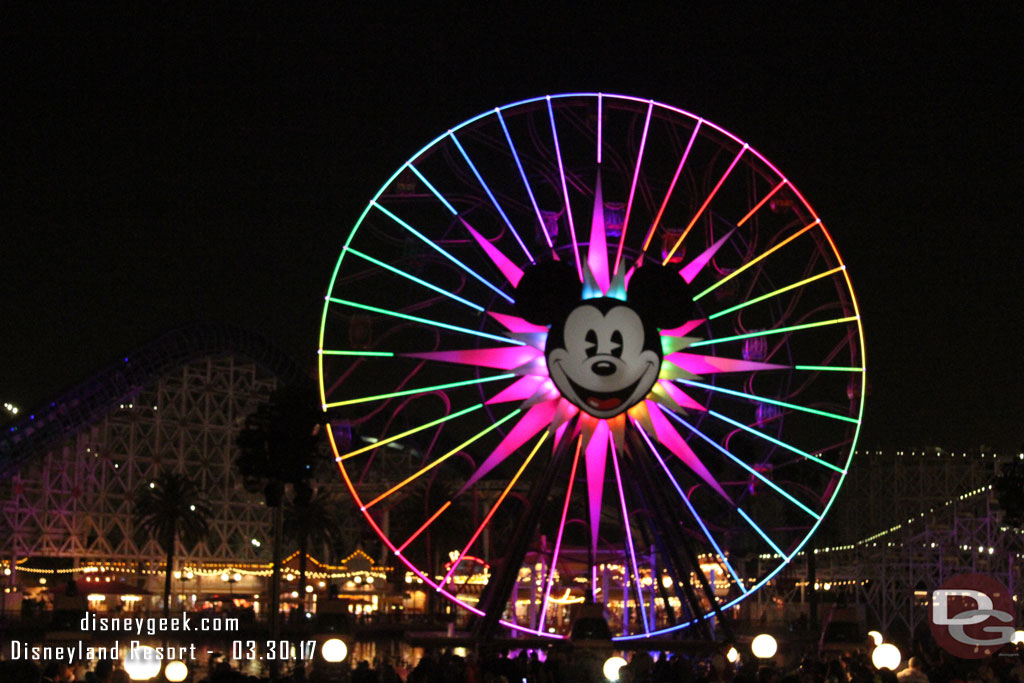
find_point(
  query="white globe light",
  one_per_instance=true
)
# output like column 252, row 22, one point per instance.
column 732, row 655
column 886, row 656
column 176, row 671
column 612, row 666
column 142, row 663
column 764, row 646
column 334, row 650
column 877, row 637
column 1018, row 637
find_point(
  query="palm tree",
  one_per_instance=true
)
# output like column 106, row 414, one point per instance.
column 313, row 524
column 170, row 509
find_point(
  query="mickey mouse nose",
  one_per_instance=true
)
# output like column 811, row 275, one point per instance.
column 603, row 368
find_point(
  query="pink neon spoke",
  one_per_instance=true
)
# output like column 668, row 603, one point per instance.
column 600, row 124
column 671, row 186
column 597, row 455
column 565, row 192
column 558, row 539
column 520, row 390
column 707, row 201
column 629, row 541
column 536, row 418
column 597, row 256
column 510, row 270
column 679, row 396
column 710, row 365
column 505, row 358
column 516, row 324
column 668, row 435
column 632, row 189
column 693, row 268
column 683, row 329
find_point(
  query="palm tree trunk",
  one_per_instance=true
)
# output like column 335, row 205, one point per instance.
column 167, row 577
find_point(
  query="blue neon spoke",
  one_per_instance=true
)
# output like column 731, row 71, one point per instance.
column 433, row 189
column 777, row 442
column 425, row 321
column 763, row 535
column 494, row 200
column 444, row 253
column 402, row 273
column 775, row 487
column 526, row 183
column 693, row 512
column 762, row 399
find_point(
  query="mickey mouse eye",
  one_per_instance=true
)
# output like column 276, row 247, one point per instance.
column 617, row 344
column 591, row 340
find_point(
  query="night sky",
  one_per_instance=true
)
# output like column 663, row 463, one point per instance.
column 161, row 167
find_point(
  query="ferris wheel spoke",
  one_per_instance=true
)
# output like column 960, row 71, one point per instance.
column 781, row 290
column 501, row 358
column 490, row 195
column 711, row 365
column 423, row 470
column 421, row 390
column 689, row 506
column 440, row 250
column 494, row 508
column 510, row 270
column 433, row 190
column 690, row 271
column 776, row 330
column 637, row 584
column 762, row 399
column 526, row 182
column 671, row 187
column 423, row 527
column 763, row 255
column 423, row 321
column 565, row 191
column 550, row 578
column 408, row 432
column 789, row 447
column 632, row 187
column 762, row 534
column 764, row 200
column 535, row 419
column 413, row 278
column 597, row 251
column 707, row 201
column 760, row 477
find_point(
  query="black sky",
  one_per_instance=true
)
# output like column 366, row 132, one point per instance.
column 166, row 165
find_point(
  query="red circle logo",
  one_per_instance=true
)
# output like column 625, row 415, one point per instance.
column 971, row 616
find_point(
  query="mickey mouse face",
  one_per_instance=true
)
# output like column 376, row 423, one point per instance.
column 599, row 361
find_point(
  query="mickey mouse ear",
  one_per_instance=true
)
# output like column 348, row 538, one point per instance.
column 660, row 296
column 547, row 292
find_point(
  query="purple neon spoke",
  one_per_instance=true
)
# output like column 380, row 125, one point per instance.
column 632, row 189
column 693, row 268
column 558, row 540
column 524, row 388
column 565, row 192
column 597, row 454
column 597, row 256
column 526, row 182
column 684, row 400
column 682, row 330
column 494, row 200
column 600, row 113
column 504, row 358
column 516, row 324
column 629, row 541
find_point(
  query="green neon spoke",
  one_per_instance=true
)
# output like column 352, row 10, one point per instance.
column 827, row 368
column 340, row 352
column 423, row 390
column 396, row 437
column 777, row 330
column 775, row 293
column 761, row 399
column 407, row 276
column 777, row 442
column 425, row 321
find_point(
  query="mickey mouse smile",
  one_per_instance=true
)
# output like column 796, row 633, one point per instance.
column 603, row 400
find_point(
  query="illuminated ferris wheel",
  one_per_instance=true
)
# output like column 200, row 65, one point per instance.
column 601, row 347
